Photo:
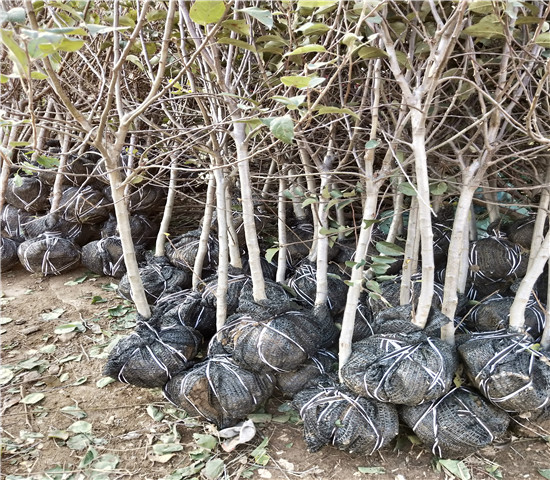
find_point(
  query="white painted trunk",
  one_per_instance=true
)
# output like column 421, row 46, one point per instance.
column 281, row 230
column 205, row 232
column 223, row 259
column 167, row 213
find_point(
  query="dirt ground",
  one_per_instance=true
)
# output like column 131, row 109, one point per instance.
column 62, row 420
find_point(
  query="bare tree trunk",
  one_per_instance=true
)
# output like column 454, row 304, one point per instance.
column 205, row 232
column 281, row 229
column 410, row 255
column 223, row 259
column 168, row 208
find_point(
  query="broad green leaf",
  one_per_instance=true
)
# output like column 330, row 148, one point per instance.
column 281, row 127
column 372, row 470
column 69, row 327
column 270, row 253
column 545, row 472
column 205, row 12
column 88, row 458
column 260, row 453
column 381, row 259
column 70, row 45
column 237, row 43
column 32, row 398
column 292, row 103
column 164, row 448
column 15, row 52
column 543, row 40
column 94, row 29
column 301, row 82
column 16, row 15
column 306, row 49
column 366, row 53
column 390, row 249
column 213, row 469
column 489, row 27
column 205, row 441
column 45, row 161
column 457, row 467
column 6, row 375
column 263, row 16
column 311, row 28
column 136, row 61
column 316, row 3
column 106, row 462
column 154, row 413
column 104, row 381
column 372, row 144
column 79, row 381
column 238, row 26
column 481, row 6
column 80, row 426
column 345, row 111
column 373, row 286
column 379, row 268
column 74, row 411
column 438, row 188
column 78, row 442
column 59, row 434
column 407, row 189
column 54, row 314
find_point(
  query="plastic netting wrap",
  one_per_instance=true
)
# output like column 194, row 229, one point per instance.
column 188, row 308
column 278, row 301
column 236, row 282
column 49, row 254
column 269, row 269
column 159, row 278
column 494, row 314
column 84, row 205
column 304, row 283
column 363, row 326
column 8, row 254
column 279, row 344
column 144, row 198
column 299, row 238
column 457, row 424
column 290, row 383
column 508, row 370
column 532, row 424
column 153, row 354
column 105, row 257
column 400, row 368
column 182, row 251
column 495, row 263
column 13, row 221
column 78, row 233
column 219, row 390
column 28, row 193
column 335, row 416
column 81, row 169
column 143, row 229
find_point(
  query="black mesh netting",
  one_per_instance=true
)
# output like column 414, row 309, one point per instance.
column 456, row 425
column 8, row 253
column 13, row 220
column 182, row 251
column 278, row 301
column 534, row 424
column 299, row 238
column 508, row 370
column 78, row 233
column 105, row 256
column 290, row 383
column 519, row 231
column 335, row 416
column 400, row 368
column 219, row 390
column 84, row 205
column 28, row 193
column 269, row 269
column 494, row 314
column 154, row 353
column 49, row 254
column 279, row 344
column 159, row 278
column 188, row 308
column 304, row 283
column 143, row 229
column 143, row 198
column 362, row 328
column 495, row 263
column 236, row 282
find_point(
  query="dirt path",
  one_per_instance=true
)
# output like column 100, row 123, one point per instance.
column 60, row 420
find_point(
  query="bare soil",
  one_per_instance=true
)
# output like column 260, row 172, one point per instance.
column 51, row 432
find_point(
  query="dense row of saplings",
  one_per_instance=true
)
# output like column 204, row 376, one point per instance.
column 287, row 344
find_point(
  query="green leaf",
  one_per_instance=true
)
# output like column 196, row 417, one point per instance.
column 74, row 411
column 306, row 49
column 59, row 434
column 301, row 82
column 80, row 426
column 545, row 472
column 237, row 43
column 32, row 398
column 70, row 45
column 438, row 188
column 16, row 15
column 457, row 468
column 98, row 299
column 292, row 103
column 315, row 3
column 390, row 249
column 481, row 6
column 213, row 469
column 263, row 16
column 95, row 29
column 208, row 442
column 6, row 375
column 45, row 161
column 543, row 40
column 106, row 462
column 69, row 327
column 387, row 260
column 373, row 286
column 488, row 27
column 164, row 448
column 311, row 28
column 79, row 381
column 205, row 12
column 281, row 127
column 260, row 453
column 407, row 189
column 53, row 315
column 88, row 458
column 346, row 111
column 104, row 381
column 372, row 144
column 372, row 470
column 78, row 442
column 38, row 76
column 15, row 52
column 238, row 26
column 270, row 253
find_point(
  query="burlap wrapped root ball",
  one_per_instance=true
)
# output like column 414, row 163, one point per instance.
column 456, row 425
column 279, row 344
column 304, row 283
column 28, row 193
column 404, row 369
column 494, row 314
column 153, row 354
column 219, row 390
column 105, row 257
column 182, row 251
column 333, row 415
column 8, row 254
column 84, row 205
column 508, row 369
column 49, row 254
column 159, row 278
